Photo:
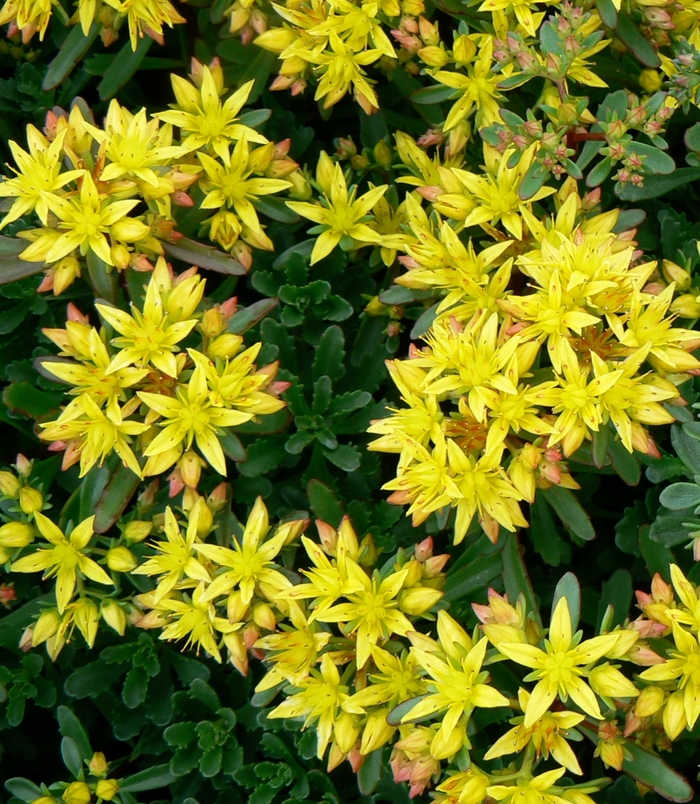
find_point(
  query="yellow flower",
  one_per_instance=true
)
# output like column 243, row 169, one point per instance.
column 233, row 183
column 85, row 222
column 561, row 667
column 395, row 679
column 372, row 612
column 94, row 433
column 205, row 122
column 65, row 559
column 683, row 668
column 339, row 213
column 547, row 734
column 196, row 620
column 479, row 87
column 533, row 791
column 319, row 700
column 250, row 564
column 188, row 417
column 522, row 10
column 146, row 16
column 150, row 336
column 28, row 15
column 177, row 558
column 492, row 196
column 457, row 684
column 39, row 173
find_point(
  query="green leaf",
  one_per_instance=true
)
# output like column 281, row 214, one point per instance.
column 249, row 316
column 599, row 173
column 28, row 400
column 569, row 510
column 232, row 447
column 264, row 455
column 599, row 448
column 13, row 268
column 70, row 726
column 207, row 257
column 324, row 504
column 472, row 577
column 74, row 47
column 370, row 773
column 24, row 789
column 617, row 592
column 424, row 322
column 427, row 96
column 569, row 588
column 330, row 354
column 92, row 489
column 397, row 714
column 608, row 12
column 533, row 180
column 545, row 534
column 655, row 186
column 515, row 81
column 658, row 558
column 276, row 209
column 150, row 779
column 669, row 529
column 117, row 494
column 691, row 138
column 71, row 756
column 125, row 64
column 135, row 687
column 515, row 578
column 680, row 495
column 397, row 294
column 346, row 457
column 624, row 463
column 653, row 772
column 636, row 42
column 92, row 679
column 687, row 448
column 654, row 159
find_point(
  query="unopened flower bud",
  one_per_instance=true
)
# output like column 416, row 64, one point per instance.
column 137, row 530
column 236, row 608
column 687, row 306
column 16, row 534
column 650, row 700
column 217, row 499
column 225, row 346
column 114, row 615
column 64, row 273
column 129, row 230
column 383, row 154
column 107, row 789
column 9, row 485
column 674, row 273
column 264, row 616
column 464, row 50
column 414, row 573
column 121, row 257
column 121, row 559
column 23, row 465
column 650, row 81
column 98, row 764
column 46, row 626
column 76, row 793
column 30, row 500
column 418, row 599
column 433, row 56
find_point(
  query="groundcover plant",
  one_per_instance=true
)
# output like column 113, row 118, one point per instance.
column 350, row 451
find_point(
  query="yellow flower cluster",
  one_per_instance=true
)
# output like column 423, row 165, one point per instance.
column 543, row 338
column 142, row 389
column 87, row 782
column 133, row 165
column 144, row 18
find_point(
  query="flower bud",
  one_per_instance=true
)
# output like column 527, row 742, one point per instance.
column 217, row 499
column 98, row 764
column 45, row 800
column 129, row 230
column 464, row 50
column 213, row 322
column 64, row 273
column 23, row 465
column 433, row 56
column 121, row 258
column 414, row 572
column 87, row 618
column 650, row 81
column 650, row 700
column 205, row 520
column 16, row 534
column 190, row 466
column 264, row 616
column 377, row 732
column 225, row 346
column 121, row 559
column 9, row 485
column 46, row 626
column 383, row 154
column 418, row 599
column 300, row 189
column 137, row 530
column 674, row 273
column 114, row 615
column 107, row 789
column 77, row 793
column 236, row 607
column 30, row 500
column 687, row 306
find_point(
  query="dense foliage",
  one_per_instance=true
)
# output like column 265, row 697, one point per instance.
column 349, row 374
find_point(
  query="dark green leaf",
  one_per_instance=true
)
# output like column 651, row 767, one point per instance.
column 117, row 494
column 24, row 789
column 655, row 186
column 653, row 772
column 330, row 354
column 636, row 42
column 13, row 268
column 70, row 726
column 71, row 756
column 72, row 51
column 476, row 575
column 608, row 12
column 599, row 173
column 617, row 592
column 669, row 529
column 346, row 457
column 370, row 773
column 569, row 510
column 246, row 318
column 24, row 398
column 150, row 779
column 430, row 95
column 658, row 558
column 515, row 578
column 193, row 253
column 324, row 503
column 125, row 64
column 569, row 588
column 692, row 138
column 680, row 495
column 624, row 463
